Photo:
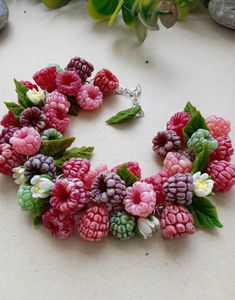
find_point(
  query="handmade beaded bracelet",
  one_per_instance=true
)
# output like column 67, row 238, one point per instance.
column 60, row 190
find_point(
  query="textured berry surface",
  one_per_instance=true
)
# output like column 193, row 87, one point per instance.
column 225, row 149
column 9, row 120
column 58, row 102
column 176, row 221
column 7, row 133
column 176, row 163
column 46, row 78
column 82, row 67
column 108, row 188
column 9, row 159
column 90, row 177
column 33, row 117
column 26, row 141
column 89, row 97
column 140, row 199
column 39, row 164
column 51, row 134
column 106, row 81
column 57, row 120
column 94, row 223
column 179, row 189
column 58, row 224
column 177, row 122
column 199, row 139
column 223, row 174
column 26, row 201
column 218, row 126
column 132, row 166
column 69, row 195
column 122, row 225
column 166, row 141
column 68, row 83
column 76, row 168
column 29, row 85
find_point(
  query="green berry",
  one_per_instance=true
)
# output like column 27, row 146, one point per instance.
column 199, row 139
column 51, row 134
column 122, row 225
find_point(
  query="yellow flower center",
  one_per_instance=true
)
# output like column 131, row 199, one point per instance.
column 201, row 184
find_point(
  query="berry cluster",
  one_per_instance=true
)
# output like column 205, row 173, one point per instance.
column 60, row 189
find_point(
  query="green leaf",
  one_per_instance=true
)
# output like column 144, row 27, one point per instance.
column 74, row 107
column 37, row 219
column 55, row 3
column 55, row 148
column 83, row 152
column 21, row 91
column 195, row 123
column 190, row 109
column 126, row 175
column 168, row 13
column 15, row 108
column 115, row 13
column 99, row 9
column 140, row 30
column 124, row 115
column 128, row 18
column 204, row 213
column 202, row 160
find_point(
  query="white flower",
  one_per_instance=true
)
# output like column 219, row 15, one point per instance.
column 146, row 226
column 36, row 97
column 202, row 184
column 41, row 186
column 18, row 175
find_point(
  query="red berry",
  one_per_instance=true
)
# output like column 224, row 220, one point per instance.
column 94, row 223
column 106, row 81
column 177, row 122
column 29, row 85
column 9, row 120
column 82, row 67
column 7, row 133
column 9, row 159
column 68, row 83
column 46, row 78
column 76, row 168
column 57, row 120
column 166, row 141
column 224, row 150
column 218, row 126
column 58, row 102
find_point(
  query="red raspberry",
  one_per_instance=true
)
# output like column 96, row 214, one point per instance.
column 29, row 85
column 9, row 159
column 176, row 162
column 106, row 81
column 69, row 195
column 46, row 78
column 7, row 133
column 218, row 126
column 76, row 168
column 33, row 117
column 223, row 174
column 176, row 221
column 94, row 223
column 68, row 83
column 57, row 101
column 132, row 166
column 224, row 150
column 166, row 141
column 9, row 120
column 57, row 223
column 57, row 120
column 177, row 122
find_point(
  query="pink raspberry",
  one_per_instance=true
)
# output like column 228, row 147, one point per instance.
column 29, row 85
column 90, row 177
column 7, row 133
column 26, row 141
column 69, row 195
column 46, row 78
column 89, row 97
column 57, row 223
column 132, row 166
column 9, row 159
column 157, row 182
column 140, row 199
column 223, row 174
column 76, row 168
column 224, row 150
column 57, row 120
column 57, row 101
column 9, row 120
column 177, row 122
column 94, row 223
column 176, row 221
column 176, row 163
column 106, row 81
column 218, row 126
column 68, row 83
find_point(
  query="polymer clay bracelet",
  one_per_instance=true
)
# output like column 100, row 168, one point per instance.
column 61, row 191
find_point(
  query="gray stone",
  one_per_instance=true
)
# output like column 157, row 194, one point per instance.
column 223, row 12
column 4, row 13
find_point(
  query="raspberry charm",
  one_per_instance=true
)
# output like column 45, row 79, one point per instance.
column 68, row 83
column 94, row 223
column 58, row 102
column 225, row 149
column 82, row 67
column 76, row 168
column 179, row 189
column 69, row 196
column 200, row 138
column 140, row 199
column 26, row 200
column 90, row 177
column 166, row 141
column 29, row 85
column 51, row 134
column 33, row 117
column 9, row 120
column 223, row 174
column 89, row 97
column 106, row 81
column 9, row 159
column 218, row 126
column 7, row 133
column 177, row 122
column 176, row 162
column 57, row 120
column 45, row 78
column 176, row 221
column 26, row 141
column 122, row 225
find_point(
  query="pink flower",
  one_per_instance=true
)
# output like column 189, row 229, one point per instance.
column 140, row 199
column 89, row 97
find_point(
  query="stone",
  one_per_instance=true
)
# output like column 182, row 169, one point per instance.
column 4, row 13
column 223, row 12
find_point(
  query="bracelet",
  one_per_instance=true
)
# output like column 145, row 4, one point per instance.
column 58, row 187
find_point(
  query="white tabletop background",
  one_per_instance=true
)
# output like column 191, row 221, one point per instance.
column 195, row 60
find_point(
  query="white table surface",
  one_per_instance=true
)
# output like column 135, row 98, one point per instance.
column 194, row 61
